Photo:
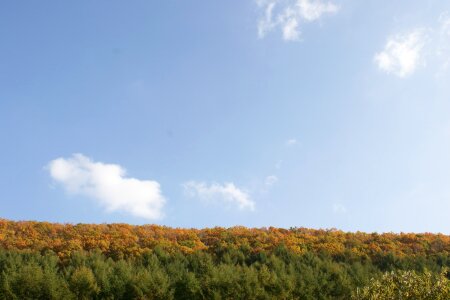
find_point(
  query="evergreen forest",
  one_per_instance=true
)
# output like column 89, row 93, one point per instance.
column 40, row 260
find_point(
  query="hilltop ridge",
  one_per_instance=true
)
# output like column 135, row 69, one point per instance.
column 124, row 240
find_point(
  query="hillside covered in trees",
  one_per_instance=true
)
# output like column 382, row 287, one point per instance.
column 41, row 260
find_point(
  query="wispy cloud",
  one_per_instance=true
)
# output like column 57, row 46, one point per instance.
column 287, row 15
column 443, row 43
column 291, row 142
column 270, row 181
column 225, row 193
column 405, row 52
column 402, row 53
column 278, row 164
column 107, row 184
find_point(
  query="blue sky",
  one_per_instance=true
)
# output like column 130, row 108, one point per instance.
column 280, row 113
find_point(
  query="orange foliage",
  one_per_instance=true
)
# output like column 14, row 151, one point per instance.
column 123, row 240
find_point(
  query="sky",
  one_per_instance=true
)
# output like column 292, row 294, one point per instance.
column 285, row 113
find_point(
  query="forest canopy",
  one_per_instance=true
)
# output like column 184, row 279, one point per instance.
column 40, row 260
column 123, row 240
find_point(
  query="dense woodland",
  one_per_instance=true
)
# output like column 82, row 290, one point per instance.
column 41, row 260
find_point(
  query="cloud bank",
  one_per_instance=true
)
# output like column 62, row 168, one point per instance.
column 287, row 15
column 225, row 193
column 107, row 184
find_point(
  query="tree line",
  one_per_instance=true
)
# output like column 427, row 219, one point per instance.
column 119, row 261
column 123, row 240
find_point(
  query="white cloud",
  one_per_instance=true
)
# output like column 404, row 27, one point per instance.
column 312, row 10
column 270, row 180
column 402, row 53
column 226, row 192
column 266, row 23
column 291, row 142
column 289, row 14
column 290, row 30
column 107, row 184
column 426, row 46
